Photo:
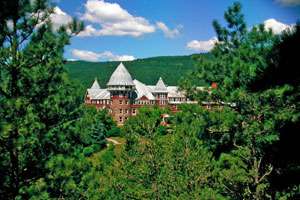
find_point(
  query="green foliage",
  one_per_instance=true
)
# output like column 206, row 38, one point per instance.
column 173, row 165
column 146, row 123
column 43, row 125
column 146, row 70
column 72, row 177
column 248, row 139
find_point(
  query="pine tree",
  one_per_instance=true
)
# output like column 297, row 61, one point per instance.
column 254, row 69
column 36, row 95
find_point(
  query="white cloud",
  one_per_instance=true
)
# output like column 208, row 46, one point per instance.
column 104, row 56
column 89, row 30
column 59, row 18
column 114, row 20
column 72, row 59
column 206, row 45
column 85, row 55
column 198, row 45
column 169, row 33
column 289, row 2
column 276, row 26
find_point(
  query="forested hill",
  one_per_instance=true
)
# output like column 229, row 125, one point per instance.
column 148, row 70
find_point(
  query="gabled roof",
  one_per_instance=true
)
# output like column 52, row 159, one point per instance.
column 173, row 91
column 160, row 86
column 120, row 77
column 95, row 85
column 143, row 90
column 97, row 94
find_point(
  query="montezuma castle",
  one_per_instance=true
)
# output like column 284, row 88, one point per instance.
column 123, row 96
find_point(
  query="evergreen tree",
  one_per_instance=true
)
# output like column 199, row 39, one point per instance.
column 247, row 66
column 173, row 165
column 40, row 108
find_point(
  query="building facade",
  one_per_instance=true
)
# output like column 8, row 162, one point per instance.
column 123, row 95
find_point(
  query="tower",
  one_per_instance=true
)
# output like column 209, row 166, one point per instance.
column 161, row 93
column 121, row 88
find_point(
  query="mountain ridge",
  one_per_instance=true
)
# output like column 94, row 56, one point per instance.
column 146, row 70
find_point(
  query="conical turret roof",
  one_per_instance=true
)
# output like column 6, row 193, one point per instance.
column 95, row 85
column 120, row 77
column 160, row 86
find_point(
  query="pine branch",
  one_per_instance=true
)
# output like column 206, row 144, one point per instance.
column 2, row 92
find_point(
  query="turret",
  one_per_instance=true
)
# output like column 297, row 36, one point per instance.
column 120, row 80
column 161, row 92
column 95, row 85
column 121, row 88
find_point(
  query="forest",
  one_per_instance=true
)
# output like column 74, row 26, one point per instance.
column 147, row 70
column 54, row 147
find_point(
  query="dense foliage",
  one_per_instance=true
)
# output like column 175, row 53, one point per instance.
column 43, row 125
column 146, row 70
column 256, row 70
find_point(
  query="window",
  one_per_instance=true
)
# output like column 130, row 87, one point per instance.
column 120, row 119
column 126, row 118
column 120, row 102
column 133, row 111
column 120, row 110
column 126, row 111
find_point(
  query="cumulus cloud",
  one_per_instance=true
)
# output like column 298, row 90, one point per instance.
column 103, row 56
column 169, row 33
column 204, row 45
column 59, row 18
column 114, row 20
column 289, row 2
column 276, row 26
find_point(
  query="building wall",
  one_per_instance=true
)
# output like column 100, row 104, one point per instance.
column 121, row 108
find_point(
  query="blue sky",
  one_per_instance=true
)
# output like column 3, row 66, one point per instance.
column 130, row 29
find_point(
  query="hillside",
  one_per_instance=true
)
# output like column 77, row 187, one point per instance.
column 170, row 68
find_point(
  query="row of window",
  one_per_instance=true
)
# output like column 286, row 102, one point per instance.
column 177, row 99
column 161, row 96
column 120, row 87
column 125, row 102
column 138, row 102
column 144, row 102
column 122, row 118
column 102, row 101
column 163, row 102
column 121, row 93
column 126, row 111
